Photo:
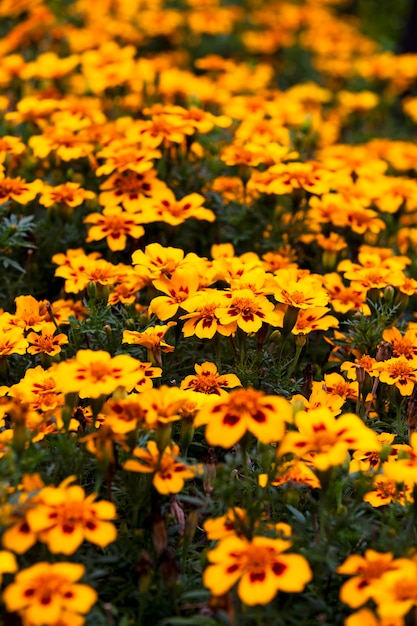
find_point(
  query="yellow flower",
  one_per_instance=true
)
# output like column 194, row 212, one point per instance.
column 324, row 440
column 242, row 308
column 365, row 570
column 65, row 517
column 365, row 616
column 70, row 194
column 260, row 567
column 207, row 380
column 396, row 593
column 47, row 342
column 169, row 473
column 229, row 418
column 182, row 284
column 95, row 372
column 114, row 224
column 8, row 563
column 18, row 189
column 202, row 319
column 152, row 339
column 12, row 341
column 398, row 371
column 44, row 592
column 164, row 207
column 314, row 318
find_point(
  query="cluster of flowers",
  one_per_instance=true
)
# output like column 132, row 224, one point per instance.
column 218, row 245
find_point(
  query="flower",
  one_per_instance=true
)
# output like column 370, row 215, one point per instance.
column 65, row 516
column 365, row 570
column 71, row 194
column 44, row 592
column 114, row 224
column 181, row 285
column 95, row 372
column 325, row 440
column 47, row 342
column 229, row 418
column 8, row 563
column 152, row 339
column 207, row 380
column 169, row 473
column 260, row 567
column 244, row 309
column 202, row 318
column 314, row 318
column 398, row 371
column 164, row 207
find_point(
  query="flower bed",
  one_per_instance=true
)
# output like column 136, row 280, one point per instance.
column 208, row 339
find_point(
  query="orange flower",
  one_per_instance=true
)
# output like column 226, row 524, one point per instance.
column 202, row 318
column 315, row 318
column 366, row 570
column 93, row 373
column 228, row 418
column 47, row 342
column 260, row 567
column 164, row 207
column 66, row 517
column 248, row 311
column 114, row 225
column 122, row 157
column 45, row 592
column 71, row 194
column 18, row 189
column 398, row 371
column 12, row 341
column 128, row 188
column 182, row 284
column 324, row 440
column 207, row 380
column 152, row 339
column 169, row 473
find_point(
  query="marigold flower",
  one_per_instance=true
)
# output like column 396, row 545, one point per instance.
column 44, row 592
column 122, row 157
column 315, row 318
column 243, row 309
column 366, row 570
column 169, row 473
column 157, row 260
column 402, row 345
column 207, row 380
column 395, row 592
column 300, row 292
column 129, row 188
column 152, row 339
column 365, row 616
column 12, row 341
column 18, row 189
column 164, row 207
column 260, row 567
column 65, row 517
column 324, row 440
column 386, row 490
column 8, row 563
column 202, row 319
column 70, row 194
column 47, row 342
column 114, row 225
column 95, row 372
column 398, row 371
column 229, row 418
column 161, row 405
column 182, row 284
